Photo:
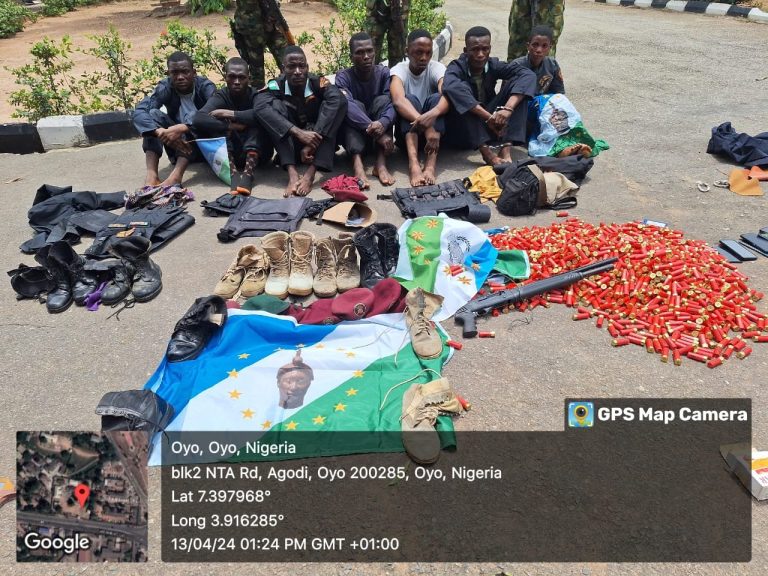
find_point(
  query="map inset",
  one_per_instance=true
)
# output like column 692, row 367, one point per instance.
column 81, row 496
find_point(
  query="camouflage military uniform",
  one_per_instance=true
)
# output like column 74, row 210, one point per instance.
column 524, row 15
column 257, row 25
column 381, row 20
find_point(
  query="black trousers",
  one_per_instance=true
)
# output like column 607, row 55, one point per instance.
column 153, row 144
column 356, row 141
column 289, row 149
column 468, row 132
column 403, row 126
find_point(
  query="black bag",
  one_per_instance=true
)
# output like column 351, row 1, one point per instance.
column 523, row 191
column 451, row 197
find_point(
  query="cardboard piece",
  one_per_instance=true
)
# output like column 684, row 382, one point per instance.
column 740, row 183
column 749, row 465
column 350, row 214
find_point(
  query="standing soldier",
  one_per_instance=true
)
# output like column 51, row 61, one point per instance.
column 388, row 17
column 524, row 15
column 258, row 24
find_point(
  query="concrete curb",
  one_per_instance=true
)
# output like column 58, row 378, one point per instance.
column 56, row 132
column 696, row 6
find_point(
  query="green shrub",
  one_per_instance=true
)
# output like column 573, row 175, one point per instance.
column 198, row 7
column 13, row 16
column 58, row 7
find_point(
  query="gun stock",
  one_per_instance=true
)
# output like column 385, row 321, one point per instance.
column 467, row 314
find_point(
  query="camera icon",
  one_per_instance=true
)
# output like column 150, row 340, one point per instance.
column 581, row 414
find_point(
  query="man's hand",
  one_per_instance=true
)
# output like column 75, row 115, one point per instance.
column 424, row 121
column 223, row 114
column 433, row 141
column 375, row 130
column 307, row 137
column 173, row 137
column 498, row 121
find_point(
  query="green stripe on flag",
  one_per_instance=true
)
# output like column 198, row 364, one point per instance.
column 423, row 242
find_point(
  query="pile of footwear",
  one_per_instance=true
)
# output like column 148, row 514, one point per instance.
column 64, row 276
column 295, row 264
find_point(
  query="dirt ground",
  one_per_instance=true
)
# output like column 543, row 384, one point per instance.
column 134, row 21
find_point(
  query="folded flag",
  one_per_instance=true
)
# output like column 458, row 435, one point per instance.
column 444, row 256
column 269, row 375
column 214, row 150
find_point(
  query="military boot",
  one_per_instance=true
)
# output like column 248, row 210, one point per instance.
column 324, row 284
column 420, row 307
column 230, row 282
column 119, row 285
column 371, row 270
column 389, row 246
column 255, row 274
column 276, row 245
column 146, row 278
column 348, row 272
column 300, row 278
column 421, row 407
column 65, row 267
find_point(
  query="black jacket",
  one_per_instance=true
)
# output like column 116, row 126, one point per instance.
column 462, row 93
column 165, row 95
column 222, row 99
column 319, row 108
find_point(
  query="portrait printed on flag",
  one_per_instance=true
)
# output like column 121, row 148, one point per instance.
column 293, row 381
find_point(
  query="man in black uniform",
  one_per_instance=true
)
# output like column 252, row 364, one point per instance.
column 229, row 112
column 182, row 94
column 478, row 115
column 302, row 113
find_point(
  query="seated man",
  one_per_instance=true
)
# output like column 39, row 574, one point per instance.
column 549, row 77
column 478, row 115
column 370, row 114
column 416, row 87
column 302, row 113
column 183, row 93
column 229, row 112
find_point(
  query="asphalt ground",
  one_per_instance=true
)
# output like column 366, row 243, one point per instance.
column 652, row 83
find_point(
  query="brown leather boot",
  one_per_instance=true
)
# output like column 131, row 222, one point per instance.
column 229, row 284
column 421, row 406
column 277, row 247
column 420, row 307
column 348, row 274
column 300, row 278
column 324, row 284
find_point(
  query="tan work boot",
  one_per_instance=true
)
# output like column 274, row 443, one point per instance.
column 276, row 245
column 348, row 274
column 420, row 307
column 324, row 284
column 421, row 406
column 255, row 278
column 300, row 278
column 230, row 282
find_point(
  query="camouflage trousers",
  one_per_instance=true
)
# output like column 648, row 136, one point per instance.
column 252, row 35
column 380, row 21
column 524, row 15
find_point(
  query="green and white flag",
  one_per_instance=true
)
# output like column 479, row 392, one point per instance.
column 444, row 256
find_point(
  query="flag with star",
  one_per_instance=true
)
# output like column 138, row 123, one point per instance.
column 444, row 256
column 359, row 373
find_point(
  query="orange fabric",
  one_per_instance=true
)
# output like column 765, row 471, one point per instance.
column 740, row 183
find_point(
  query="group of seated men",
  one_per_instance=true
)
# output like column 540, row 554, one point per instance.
column 419, row 104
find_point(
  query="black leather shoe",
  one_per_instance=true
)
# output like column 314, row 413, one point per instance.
column 371, row 269
column 195, row 329
column 30, row 281
column 119, row 286
column 146, row 279
column 389, row 246
column 64, row 265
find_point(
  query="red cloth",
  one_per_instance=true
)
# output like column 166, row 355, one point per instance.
column 344, row 188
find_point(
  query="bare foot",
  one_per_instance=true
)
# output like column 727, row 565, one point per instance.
column 489, row 157
column 416, row 175
column 304, row 186
column 429, row 175
column 170, row 181
column 506, row 153
column 151, row 179
column 383, row 175
column 293, row 182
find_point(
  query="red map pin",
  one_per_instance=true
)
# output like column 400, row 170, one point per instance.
column 82, row 491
